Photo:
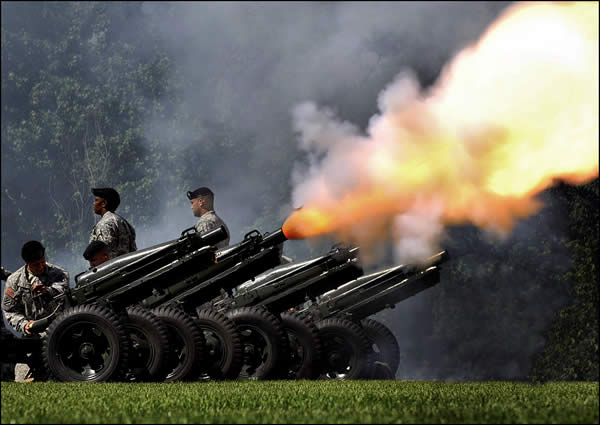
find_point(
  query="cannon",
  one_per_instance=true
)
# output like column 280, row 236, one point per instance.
column 356, row 346
column 340, row 300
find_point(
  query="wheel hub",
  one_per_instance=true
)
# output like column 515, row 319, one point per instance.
column 334, row 358
column 86, row 350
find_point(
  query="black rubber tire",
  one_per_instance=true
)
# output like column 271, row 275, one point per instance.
column 149, row 346
column 223, row 355
column 304, row 361
column 86, row 343
column 186, row 343
column 385, row 348
column 347, row 353
column 263, row 340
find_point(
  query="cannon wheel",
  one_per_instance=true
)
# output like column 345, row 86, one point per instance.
column 149, row 345
column 223, row 355
column 86, row 343
column 186, row 343
column 264, row 342
column 347, row 353
column 305, row 346
column 386, row 349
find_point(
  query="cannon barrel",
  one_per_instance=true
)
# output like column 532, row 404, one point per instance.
column 131, row 277
column 397, row 291
column 235, row 265
column 370, row 294
column 214, row 236
column 291, row 284
column 151, row 258
column 371, row 281
column 337, row 255
column 284, row 297
column 274, row 238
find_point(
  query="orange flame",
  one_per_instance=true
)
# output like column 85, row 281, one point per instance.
column 507, row 117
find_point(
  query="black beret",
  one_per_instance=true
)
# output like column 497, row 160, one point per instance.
column 201, row 191
column 110, row 195
column 93, row 248
column 32, row 251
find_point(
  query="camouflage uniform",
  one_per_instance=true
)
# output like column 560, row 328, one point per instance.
column 211, row 221
column 116, row 232
column 19, row 303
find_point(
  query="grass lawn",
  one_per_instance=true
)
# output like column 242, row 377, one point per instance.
column 300, row 402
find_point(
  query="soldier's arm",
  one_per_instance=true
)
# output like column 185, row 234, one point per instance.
column 133, row 244
column 129, row 230
column 108, row 234
column 61, row 282
column 13, row 306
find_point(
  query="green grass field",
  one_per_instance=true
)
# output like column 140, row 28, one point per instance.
column 300, row 402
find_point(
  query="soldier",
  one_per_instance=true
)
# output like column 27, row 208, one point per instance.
column 96, row 253
column 30, row 290
column 202, row 200
column 30, row 293
column 112, row 229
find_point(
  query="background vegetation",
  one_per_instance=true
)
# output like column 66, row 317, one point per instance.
column 157, row 98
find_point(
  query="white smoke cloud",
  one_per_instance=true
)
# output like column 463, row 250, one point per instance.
column 319, row 128
column 399, row 94
column 336, row 164
column 418, row 232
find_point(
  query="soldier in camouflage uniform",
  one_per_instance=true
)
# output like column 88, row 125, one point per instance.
column 112, row 229
column 30, row 290
column 29, row 295
column 202, row 200
column 96, row 253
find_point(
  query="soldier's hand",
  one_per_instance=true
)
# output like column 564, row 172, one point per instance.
column 40, row 289
column 27, row 326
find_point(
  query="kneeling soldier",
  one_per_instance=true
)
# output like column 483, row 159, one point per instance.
column 30, row 292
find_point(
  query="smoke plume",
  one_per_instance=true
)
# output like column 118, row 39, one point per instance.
column 508, row 116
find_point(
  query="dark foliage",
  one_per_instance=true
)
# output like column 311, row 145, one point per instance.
column 572, row 349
